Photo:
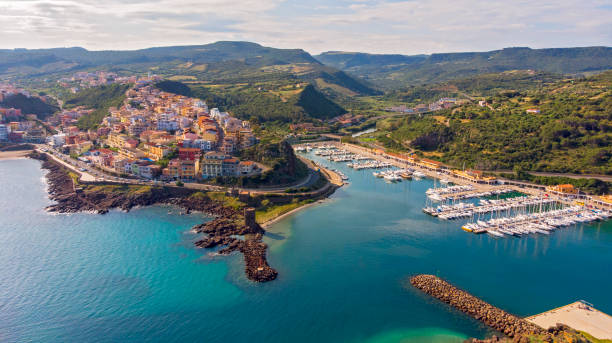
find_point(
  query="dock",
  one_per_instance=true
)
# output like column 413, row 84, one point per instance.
column 579, row 315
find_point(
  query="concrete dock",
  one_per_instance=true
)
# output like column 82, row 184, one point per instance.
column 579, row 315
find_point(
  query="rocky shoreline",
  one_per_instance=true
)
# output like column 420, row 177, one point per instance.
column 222, row 231
column 496, row 318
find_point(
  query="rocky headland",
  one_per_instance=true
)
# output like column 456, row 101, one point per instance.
column 72, row 196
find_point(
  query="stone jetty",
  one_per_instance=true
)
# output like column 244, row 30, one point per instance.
column 490, row 315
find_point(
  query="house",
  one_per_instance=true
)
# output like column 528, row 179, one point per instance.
column 212, row 164
column 180, row 169
column 131, row 143
column 3, row 132
column 145, row 169
column 131, row 153
column 156, row 152
column 103, row 157
column 230, row 166
column 564, row 188
column 189, row 153
column 116, row 140
column 228, row 146
column 58, row 140
column 246, row 167
column 533, row 111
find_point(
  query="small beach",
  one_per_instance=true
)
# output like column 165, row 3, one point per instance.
column 11, row 155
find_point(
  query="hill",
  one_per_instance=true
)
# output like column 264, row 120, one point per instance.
column 220, row 62
column 263, row 102
column 572, row 133
column 29, row 105
column 397, row 70
column 98, row 98
column 473, row 86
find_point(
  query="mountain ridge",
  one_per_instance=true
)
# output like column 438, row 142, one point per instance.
column 391, row 70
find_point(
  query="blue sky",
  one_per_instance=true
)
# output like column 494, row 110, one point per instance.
column 376, row 26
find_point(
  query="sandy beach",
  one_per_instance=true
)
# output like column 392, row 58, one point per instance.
column 284, row 215
column 11, row 155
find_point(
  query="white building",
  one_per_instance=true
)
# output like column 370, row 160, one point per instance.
column 3, row 132
column 167, row 125
column 57, row 140
column 203, row 144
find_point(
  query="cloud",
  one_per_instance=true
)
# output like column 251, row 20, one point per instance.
column 409, row 27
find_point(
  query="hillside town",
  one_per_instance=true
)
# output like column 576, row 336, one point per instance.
column 83, row 80
column 152, row 135
column 15, row 125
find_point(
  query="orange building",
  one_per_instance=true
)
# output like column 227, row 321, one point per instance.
column 565, row 188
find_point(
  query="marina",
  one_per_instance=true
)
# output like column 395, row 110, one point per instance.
column 463, row 209
column 516, row 214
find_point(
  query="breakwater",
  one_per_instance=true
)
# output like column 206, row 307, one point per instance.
column 490, row 315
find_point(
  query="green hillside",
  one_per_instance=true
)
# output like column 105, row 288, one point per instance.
column 98, row 98
column 479, row 85
column 317, row 105
column 396, row 70
column 174, row 87
column 263, row 102
column 29, row 105
column 220, row 62
column 571, row 134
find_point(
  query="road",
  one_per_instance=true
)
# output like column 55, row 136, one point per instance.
column 88, row 173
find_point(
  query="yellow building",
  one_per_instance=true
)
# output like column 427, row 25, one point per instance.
column 132, row 154
column 116, row 140
column 156, row 152
column 565, row 188
column 473, row 176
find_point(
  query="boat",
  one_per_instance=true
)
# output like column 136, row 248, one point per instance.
column 495, row 233
column 418, row 174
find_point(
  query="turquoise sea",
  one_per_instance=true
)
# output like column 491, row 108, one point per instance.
column 343, row 264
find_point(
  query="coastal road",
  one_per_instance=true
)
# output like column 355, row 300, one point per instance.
column 89, row 174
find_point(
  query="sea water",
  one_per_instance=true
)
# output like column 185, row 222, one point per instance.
column 343, row 268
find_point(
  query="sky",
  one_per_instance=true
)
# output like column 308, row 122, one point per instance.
column 375, row 26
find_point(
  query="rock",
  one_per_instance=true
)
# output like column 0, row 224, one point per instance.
column 476, row 308
column 221, row 231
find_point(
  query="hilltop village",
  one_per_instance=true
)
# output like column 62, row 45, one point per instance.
column 158, row 135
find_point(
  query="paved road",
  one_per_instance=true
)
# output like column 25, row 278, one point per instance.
column 89, row 174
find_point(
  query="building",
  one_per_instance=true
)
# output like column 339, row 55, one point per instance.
column 230, row 167
column 476, row 176
column 180, row 170
column 116, row 140
column 156, row 152
column 246, row 167
column 131, row 153
column 149, row 170
column 3, row 132
column 191, row 154
column 430, row 164
column 212, row 164
column 565, row 189
column 58, row 140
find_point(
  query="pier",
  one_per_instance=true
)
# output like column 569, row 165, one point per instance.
column 435, row 170
column 490, row 315
column 579, row 315
column 463, row 209
column 536, row 213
